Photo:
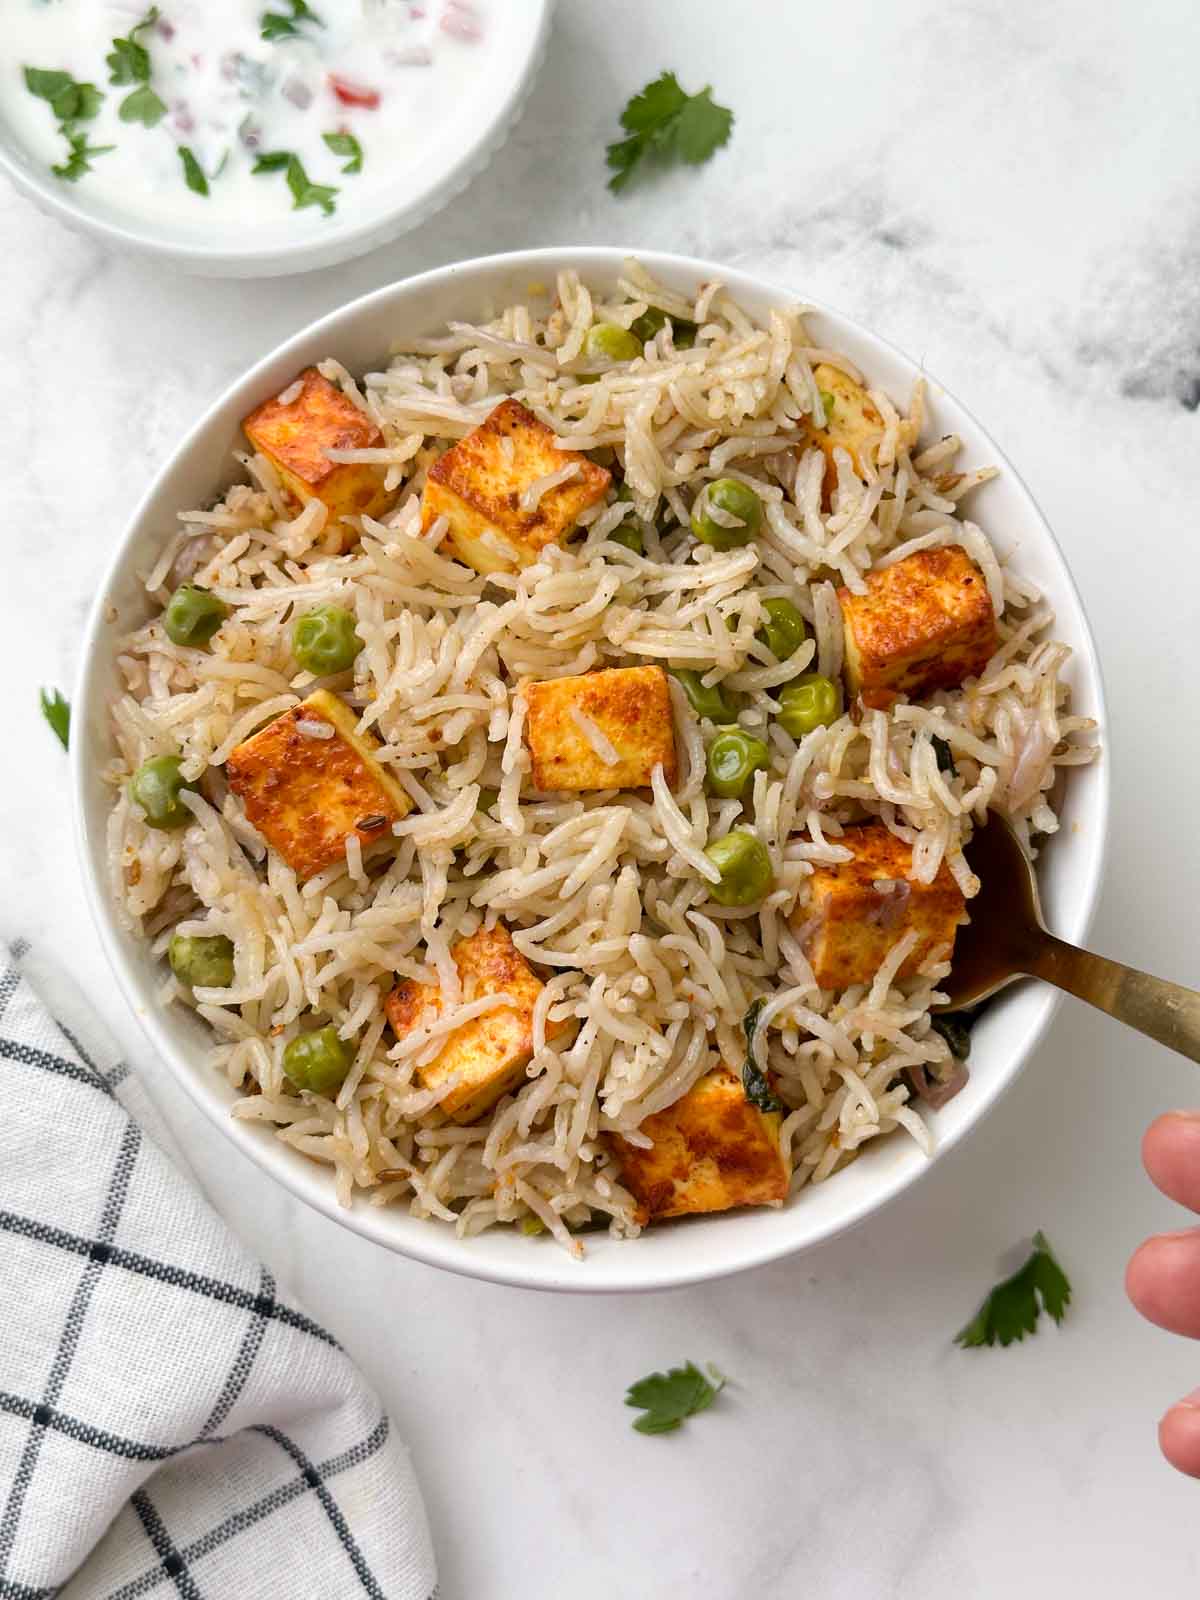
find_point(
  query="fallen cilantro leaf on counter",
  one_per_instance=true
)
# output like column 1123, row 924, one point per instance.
column 1012, row 1309
column 57, row 713
column 668, row 1398
column 665, row 122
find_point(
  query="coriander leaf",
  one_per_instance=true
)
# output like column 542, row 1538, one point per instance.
column 945, row 756
column 79, row 160
column 70, row 101
column 272, row 161
column 276, row 26
column 654, row 107
column 955, row 1029
column 1050, row 1279
column 701, row 128
column 143, row 106
column 755, row 1084
column 57, row 713
column 307, row 193
column 826, row 404
column 668, row 1398
column 47, row 85
column 663, row 120
column 193, row 173
column 1011, row 1310
column 129, row 62
column 345, row 144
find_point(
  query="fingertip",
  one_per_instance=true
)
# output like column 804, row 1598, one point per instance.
column 1179, row 1436
column 1171, row 1155
column 1163, row 1281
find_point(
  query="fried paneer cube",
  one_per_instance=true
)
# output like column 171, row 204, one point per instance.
column 478, row 484
column 925, row 623
column 296, row 427
column 305, row 790
column 625, row 708
column 489, row 1054
column 852, row 423
column 712, row 1151
column 858, row 910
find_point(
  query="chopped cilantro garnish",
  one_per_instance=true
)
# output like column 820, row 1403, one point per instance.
column 827, row 405
column 143, row 106
column 57, row 713
column 945, row 756
column 666, row 123
column 70, row 101
column 304, row 191
column 345, row 144
column 1012, row 1309
column 275, row 25
column 79, row 159
column 757, row 1089
column 669, row 1398
column 129, row 62
column 193, row 172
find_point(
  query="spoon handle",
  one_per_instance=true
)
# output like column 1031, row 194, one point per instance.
column 1164, row 1011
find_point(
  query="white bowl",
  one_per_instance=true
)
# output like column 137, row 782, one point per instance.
column 457, row 151
column 682, row 1252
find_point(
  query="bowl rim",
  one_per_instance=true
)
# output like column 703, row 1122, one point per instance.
column 310, row 1182
column 379, row 223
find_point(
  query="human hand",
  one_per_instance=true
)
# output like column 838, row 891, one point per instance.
column 1163, row 1277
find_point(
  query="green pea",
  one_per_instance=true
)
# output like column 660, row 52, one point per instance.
column 630, row 535
column 318, row 1061
column 606, row 341
column 324, row 640
column 156, row 786
column 745, row 868
column 733, row 758
column 202, row 959
column 487, row 799
column 736, row 498
column 193, row 615
column 810, row 702
column 784, row 631
column 713, row 702
column 652, row 319
column 531, row 1225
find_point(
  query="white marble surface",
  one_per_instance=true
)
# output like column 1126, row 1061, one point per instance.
column 1007, row 190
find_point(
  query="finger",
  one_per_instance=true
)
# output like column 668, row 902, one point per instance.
column 1179, row 1435
column 1163, row 1281
column 1171, row 1151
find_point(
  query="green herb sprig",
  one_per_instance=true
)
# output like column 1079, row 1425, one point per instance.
column 274, row 25
column 57, row 713
column 129, row 62
column 665, row 123
column 754, row 1081
column 193, row 172
column 1011, row 1310
column 304, row 191
column 72, row 102
column 669, row 1398
column 345, row 144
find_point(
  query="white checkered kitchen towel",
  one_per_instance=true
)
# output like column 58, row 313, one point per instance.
column 169, row 1423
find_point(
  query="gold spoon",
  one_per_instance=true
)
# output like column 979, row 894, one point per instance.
column 1006, row 939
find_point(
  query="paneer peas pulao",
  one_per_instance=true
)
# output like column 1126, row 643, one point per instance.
column 548, row 772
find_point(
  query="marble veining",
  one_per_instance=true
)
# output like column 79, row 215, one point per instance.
column 1007, row 191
